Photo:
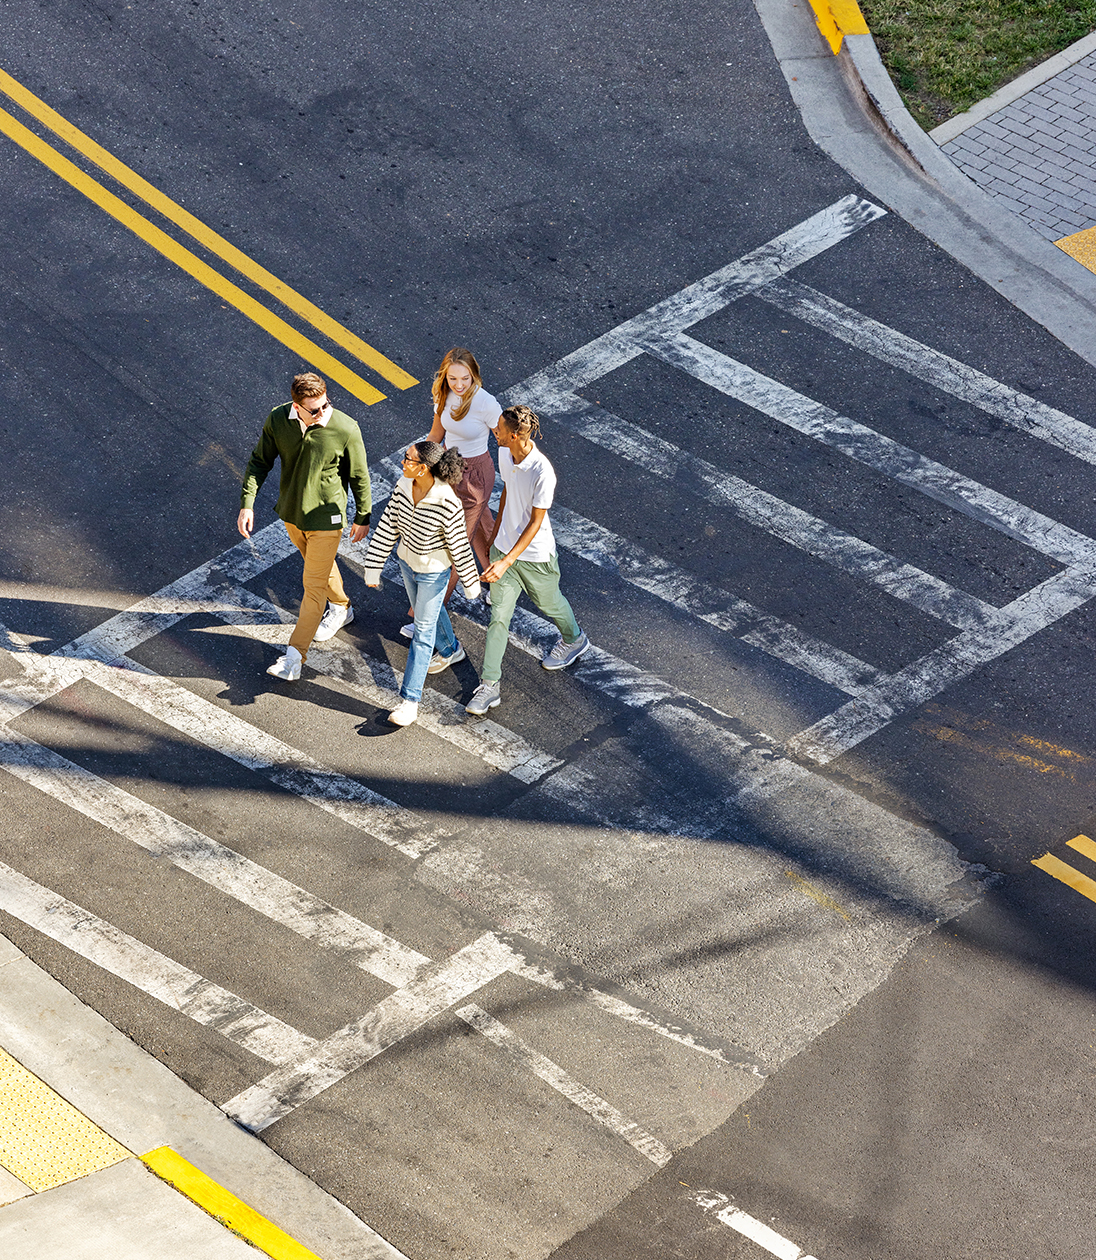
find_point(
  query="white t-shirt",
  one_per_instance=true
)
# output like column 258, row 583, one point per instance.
column 469, row 435
column 530, row 484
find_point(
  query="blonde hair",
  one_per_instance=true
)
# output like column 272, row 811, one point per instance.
column 440, row 388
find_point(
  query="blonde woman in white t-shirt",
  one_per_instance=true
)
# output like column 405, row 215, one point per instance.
column 465, row 416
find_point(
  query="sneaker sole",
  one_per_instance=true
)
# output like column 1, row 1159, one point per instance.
column 491, row 704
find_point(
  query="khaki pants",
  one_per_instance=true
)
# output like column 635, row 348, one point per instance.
column 322, row 582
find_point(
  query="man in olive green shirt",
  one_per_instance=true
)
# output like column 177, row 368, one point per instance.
column 322, row 453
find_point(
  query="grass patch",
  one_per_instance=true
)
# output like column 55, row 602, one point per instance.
column 944, row 55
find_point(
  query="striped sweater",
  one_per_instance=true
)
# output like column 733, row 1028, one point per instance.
column 431, row 535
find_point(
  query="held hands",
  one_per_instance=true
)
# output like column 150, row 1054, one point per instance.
column 358, row 533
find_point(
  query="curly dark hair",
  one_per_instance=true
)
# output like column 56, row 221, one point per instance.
column 446, row 465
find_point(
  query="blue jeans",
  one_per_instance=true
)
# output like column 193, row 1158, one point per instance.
column 426, row 592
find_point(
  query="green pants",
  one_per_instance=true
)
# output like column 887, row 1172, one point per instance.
column 539, row 579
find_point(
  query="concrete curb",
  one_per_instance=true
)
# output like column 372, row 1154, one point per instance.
column 143, row 1105
column 853, row 112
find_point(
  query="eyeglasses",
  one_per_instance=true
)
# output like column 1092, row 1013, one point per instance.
column 319, row 410
column 408, row 460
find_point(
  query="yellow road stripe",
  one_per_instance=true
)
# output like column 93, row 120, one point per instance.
column 189, row 262
column 1063, row 871
column 204, row 235
column 44, row 1140
column 225, row 1206
column 1084, row 845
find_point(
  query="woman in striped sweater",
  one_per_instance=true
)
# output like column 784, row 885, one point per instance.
column 427, row 519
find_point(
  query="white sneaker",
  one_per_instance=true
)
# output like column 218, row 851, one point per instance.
column 404, row 713
column 408, row 631
column 337, row 616
column 439, row 662
column 287, row 667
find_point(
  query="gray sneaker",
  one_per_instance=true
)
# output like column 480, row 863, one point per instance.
column 485, row 697
column 564, row 654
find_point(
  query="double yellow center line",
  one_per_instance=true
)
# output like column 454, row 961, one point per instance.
column 206, row 237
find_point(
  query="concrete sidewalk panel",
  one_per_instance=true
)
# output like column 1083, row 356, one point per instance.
column 143, row 1105
column 124, row 1210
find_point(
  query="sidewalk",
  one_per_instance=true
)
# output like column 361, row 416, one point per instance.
column 1032, row 146
column 105, row 1154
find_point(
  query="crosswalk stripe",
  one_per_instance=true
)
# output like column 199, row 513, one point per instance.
column 793, row 248
column 150, row 971
column 206, row 859
column 208, row 724
column 378, row 683
column 809, row 533
column 392, row 1019
column 521, row 1052
column 238, row 877
column 711, row 603
column 904, row 690
column 1017, row 409
column 866, row 446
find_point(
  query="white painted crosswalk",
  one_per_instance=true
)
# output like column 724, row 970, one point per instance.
column 894, row 876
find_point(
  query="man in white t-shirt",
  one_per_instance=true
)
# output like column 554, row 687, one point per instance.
column 523, row 555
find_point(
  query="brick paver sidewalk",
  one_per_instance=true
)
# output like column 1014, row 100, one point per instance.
column 1032, row 145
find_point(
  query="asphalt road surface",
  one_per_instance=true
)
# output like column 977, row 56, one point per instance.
column 726, row 942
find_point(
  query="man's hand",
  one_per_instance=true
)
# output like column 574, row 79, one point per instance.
column 495, row 569
column 245, row 522
column 358, row 533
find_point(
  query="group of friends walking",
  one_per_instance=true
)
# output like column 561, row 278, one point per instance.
column 438, row 518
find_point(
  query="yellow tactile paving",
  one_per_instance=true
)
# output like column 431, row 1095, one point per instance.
column 44, row 1140
column 1081, row 246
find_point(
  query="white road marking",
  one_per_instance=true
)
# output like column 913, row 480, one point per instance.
column 1022, row 412
column 395, row 1017
column 522, row 1053
column 749, row 1226
column 866, row 446
column 261, row 889
column 784, row 521
column 378, row 683
column 150, row 971
column 711, row 604
column 214, row 863
column 907, row 688
column 698, row 301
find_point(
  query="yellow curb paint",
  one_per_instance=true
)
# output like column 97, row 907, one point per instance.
column 1081, row 246
column 204, row 235
column 1064, row 872
column 189, row 262
column 1084, row 845
column 838, row 18
column 44, row 1140
column 225, row 1206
